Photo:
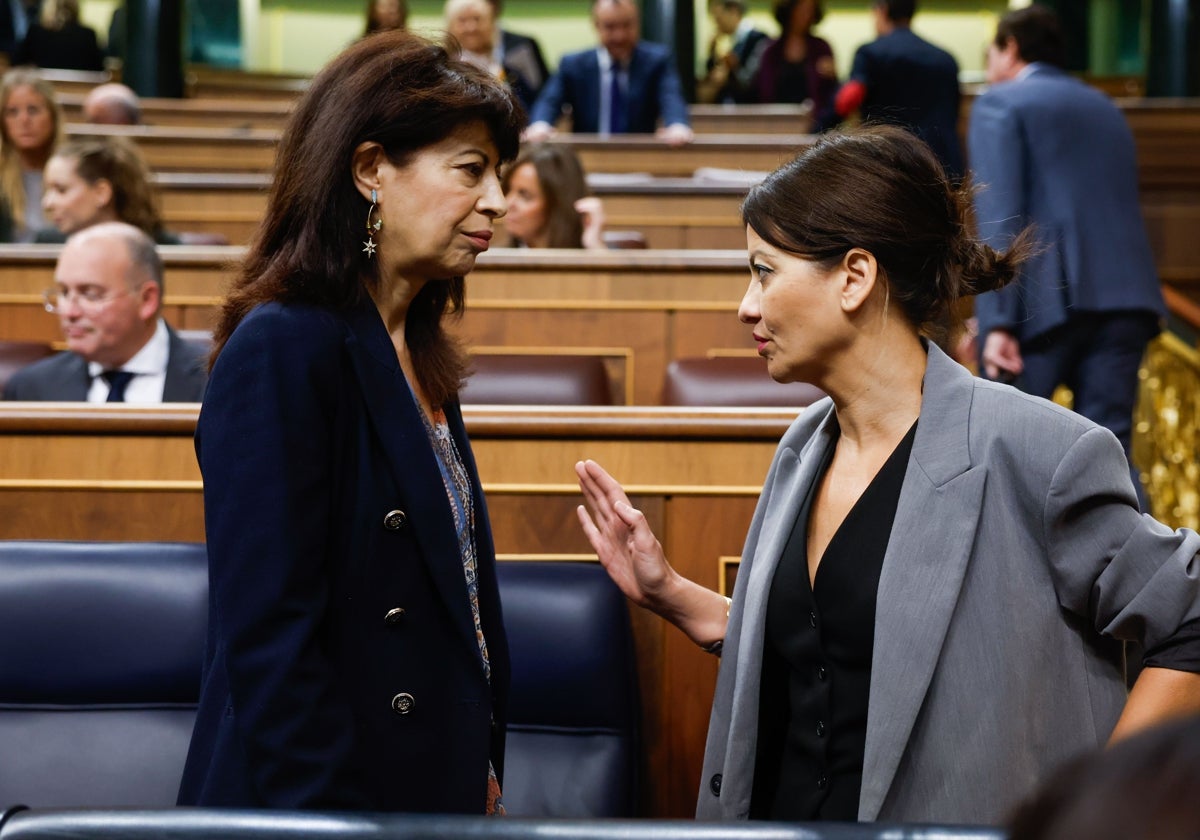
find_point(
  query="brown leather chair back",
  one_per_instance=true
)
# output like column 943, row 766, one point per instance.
column 624, row 240
column 537, row 380
column 736, row 381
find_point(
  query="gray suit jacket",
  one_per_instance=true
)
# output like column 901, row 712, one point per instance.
column 1051, row 151
column 64, row 377
column 1016, row 563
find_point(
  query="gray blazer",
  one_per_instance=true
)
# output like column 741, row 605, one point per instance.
column 64, row 377
column 1016, row 563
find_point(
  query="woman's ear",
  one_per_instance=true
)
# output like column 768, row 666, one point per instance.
column 861, row 273
column 103, row 190
column 364, row 167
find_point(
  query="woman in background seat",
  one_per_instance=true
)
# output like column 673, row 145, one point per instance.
column 87, row 182
column 549, row 202
column 30, row 129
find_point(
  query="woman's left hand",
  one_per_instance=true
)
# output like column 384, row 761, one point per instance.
column 591, row 211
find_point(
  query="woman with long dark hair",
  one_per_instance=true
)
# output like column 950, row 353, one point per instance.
column 356, row 654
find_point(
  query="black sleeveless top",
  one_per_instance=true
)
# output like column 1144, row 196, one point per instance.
column 816, row 673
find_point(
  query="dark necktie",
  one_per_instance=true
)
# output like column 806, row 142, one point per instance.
column 117, row 381
column 618, row 120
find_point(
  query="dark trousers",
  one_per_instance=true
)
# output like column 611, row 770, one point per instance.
column 1096, row 355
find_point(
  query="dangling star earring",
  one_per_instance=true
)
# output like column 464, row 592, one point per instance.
column 369, row 246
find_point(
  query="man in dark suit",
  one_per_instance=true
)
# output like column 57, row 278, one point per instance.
column 15, row 19
column 727, row 76
column 901, row 78
column 521, row 57
column 625, row 85
column 107, row 294
column 1052, row 152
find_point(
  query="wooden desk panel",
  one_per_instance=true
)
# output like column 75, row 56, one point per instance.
column 112, row 473
column 751, row 119
column 193, row 149
column 670, row 212
column 196, row 113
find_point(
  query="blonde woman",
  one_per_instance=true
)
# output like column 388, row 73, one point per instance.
column 30, row 130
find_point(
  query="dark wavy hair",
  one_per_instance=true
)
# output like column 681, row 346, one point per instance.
column 405, row 93
column 882, row 189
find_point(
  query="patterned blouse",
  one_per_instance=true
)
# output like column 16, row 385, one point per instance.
column 458, row 491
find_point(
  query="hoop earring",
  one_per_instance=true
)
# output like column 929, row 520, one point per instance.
column 369, row 246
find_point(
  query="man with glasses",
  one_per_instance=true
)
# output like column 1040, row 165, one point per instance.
column 107, row 294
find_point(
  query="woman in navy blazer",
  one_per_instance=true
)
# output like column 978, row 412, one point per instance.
column 356, row 655
column 932, row 601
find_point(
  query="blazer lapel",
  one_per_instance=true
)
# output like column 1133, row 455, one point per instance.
column 401, row 432
column 923, row 571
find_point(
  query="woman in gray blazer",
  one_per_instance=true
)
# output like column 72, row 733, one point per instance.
column 941, row 573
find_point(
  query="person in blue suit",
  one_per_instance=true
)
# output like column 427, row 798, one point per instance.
column 625, row 85
column 356, row 655
column 1050, row 151
column 901, row 78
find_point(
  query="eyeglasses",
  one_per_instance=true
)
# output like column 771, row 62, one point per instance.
column 87, row 298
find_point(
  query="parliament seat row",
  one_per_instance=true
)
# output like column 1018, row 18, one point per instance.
column 559, row 379
column 101, row 646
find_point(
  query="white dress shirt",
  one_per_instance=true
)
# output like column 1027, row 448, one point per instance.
column 149, row 366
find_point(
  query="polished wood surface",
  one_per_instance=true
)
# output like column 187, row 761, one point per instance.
column 670, row 212
column 638, row 310
column 111, row 473
column 210, row 113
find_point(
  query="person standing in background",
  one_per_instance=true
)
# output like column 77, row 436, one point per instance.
column 903, row 79
column 728, row 72
column 798, row 66
column 1049, row 151
column 60, row 41
column 15, row 17
column 520, row 56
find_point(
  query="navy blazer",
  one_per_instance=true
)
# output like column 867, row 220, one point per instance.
column 64, row 377
column 342, row 667
column 1051, row 151
column 914, row 84
column 654, row 91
